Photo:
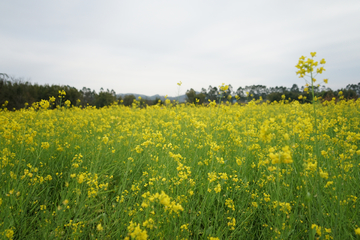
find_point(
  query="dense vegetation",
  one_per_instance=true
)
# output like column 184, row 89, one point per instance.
column 17, row 93
column 258, row 171
column 352, row 91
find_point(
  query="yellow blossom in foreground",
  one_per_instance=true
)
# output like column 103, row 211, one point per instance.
column 317, row 228
column 9, row 233
column 45, row 145
column 105, row 139
column 283, row 156
column 136, row 232
column 217, row 189
column 99, row 227
column 231, row 223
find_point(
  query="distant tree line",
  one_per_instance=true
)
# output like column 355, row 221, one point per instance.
column 271, row 94
column 16, row 93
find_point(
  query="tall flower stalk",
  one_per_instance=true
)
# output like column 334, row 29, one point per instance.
column 308, row 69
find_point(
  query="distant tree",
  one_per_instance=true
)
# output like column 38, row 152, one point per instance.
column 240, row 92
column 157, row 101
column 128, row 100
column 193, row 97
column 190, row 95
column 348, row 93
column 212, row 93
column 327, row 94
column 105, row 98
column 88, row 96
column 295, row 89
column 203, row 90
column 200, row 98
column 354, row 87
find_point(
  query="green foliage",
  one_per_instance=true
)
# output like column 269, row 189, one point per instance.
column 156, row 101
column 128, row 99
column 19, row 93
column 193, row 97
column 272, row 94
column 105, row 98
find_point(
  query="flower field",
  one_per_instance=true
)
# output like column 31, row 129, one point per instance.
column 258, row 171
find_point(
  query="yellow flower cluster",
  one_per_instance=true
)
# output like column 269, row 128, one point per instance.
column 163, row 199
column 283, row 156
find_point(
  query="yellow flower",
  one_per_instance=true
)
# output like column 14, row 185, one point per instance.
column 164, row 199
column 184, row 227
column 105, row 139
column 322, row 61
column 81, row 178
column 67, row 103
column 317, row 228
column 139, row 234
column 224, row 88
column 313, row 54
column 326, row 80
column 45, row 145
column 9, row 233
column 357, row 231
column 99, row 227
column 231, row 223
column 217, row 189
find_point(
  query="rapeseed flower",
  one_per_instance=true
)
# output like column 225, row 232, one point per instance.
column 217, row 189
column 99, row 227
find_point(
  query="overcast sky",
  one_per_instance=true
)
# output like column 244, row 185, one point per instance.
column 148, row 46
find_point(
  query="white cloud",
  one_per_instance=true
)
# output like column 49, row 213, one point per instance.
column 148, row 46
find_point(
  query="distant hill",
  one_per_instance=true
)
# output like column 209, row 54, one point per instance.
column 181, row 98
